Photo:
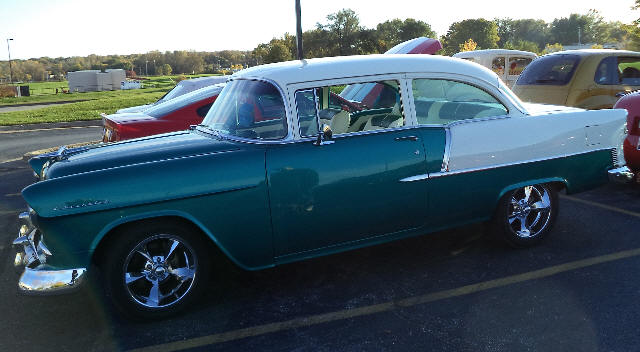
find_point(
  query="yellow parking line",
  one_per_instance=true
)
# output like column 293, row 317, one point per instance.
column 388, row 306
column 603, row 206
column 47, row 129
column 10, row 160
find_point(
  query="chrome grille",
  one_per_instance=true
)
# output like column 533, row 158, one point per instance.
column 614, row 156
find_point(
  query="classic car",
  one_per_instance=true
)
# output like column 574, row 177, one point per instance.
column 631, row 102
column 588, row 79
column 452, row 145
column 172, row 115
column 507, row 64
column 167, row 115
column 183, row 87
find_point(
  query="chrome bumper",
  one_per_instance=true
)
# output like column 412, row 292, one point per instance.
column 621, row 175
column 38, row 277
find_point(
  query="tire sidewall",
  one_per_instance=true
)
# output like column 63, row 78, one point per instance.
column 114, row 266
column 503, row 228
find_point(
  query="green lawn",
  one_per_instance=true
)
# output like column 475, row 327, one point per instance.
column 87, row 106
column 85, row 110
column 45, row 92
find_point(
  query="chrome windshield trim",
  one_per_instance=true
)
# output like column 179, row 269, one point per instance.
column 285, row 139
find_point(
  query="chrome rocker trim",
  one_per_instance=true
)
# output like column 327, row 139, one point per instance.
column 39, row 278
column 621, row 175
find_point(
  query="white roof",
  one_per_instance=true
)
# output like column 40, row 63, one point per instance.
column 298, row 71
column 492, row 52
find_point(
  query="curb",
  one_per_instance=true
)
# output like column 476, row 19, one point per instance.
column 35, row 126
column 45, row 103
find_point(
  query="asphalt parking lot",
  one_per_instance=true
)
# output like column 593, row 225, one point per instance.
column 457, row 290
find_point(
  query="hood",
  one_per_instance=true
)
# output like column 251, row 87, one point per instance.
column 136, row 151
column 542, row 94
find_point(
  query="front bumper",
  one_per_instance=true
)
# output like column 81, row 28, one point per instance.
column 38, row 277
column 621, row 175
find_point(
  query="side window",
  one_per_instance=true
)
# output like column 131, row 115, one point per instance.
column 517, row 65
column 440, row 102
column 629, row 70
column 352, row 108
column 497, row 65
column 607, row 71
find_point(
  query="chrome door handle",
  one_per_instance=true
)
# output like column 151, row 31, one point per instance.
column 407, row 138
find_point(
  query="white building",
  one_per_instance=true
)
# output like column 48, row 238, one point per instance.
column 94, row 80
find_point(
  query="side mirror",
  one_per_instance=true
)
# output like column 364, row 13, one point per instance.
column 324, row 135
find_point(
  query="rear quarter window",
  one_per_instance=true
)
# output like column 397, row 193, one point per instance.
column 554, row 70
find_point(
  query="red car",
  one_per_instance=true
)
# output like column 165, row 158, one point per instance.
column 174, row 115
column 631, row 102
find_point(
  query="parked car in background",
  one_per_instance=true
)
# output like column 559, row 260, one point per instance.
column 588, row 79
column 172, row 115
column 631, row 102
column 420, row 45
column 507, row 64
column 183, row 87
column 275, row 174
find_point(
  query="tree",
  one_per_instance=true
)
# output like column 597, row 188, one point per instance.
column 276, row 51
column 396, row 31
column 166, row 69
column 523, row 45
column 552, row 48
column 483, row 32
column 343, row 29
column 469, row 45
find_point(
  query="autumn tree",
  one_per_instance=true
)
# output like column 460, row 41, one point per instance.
column 483, row 32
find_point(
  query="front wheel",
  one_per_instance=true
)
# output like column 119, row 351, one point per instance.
column 155, row 270
column 525, row 216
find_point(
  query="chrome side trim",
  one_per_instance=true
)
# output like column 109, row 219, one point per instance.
column 447, row 150
column 43, row 281
column 415, row 178
column 489, row 167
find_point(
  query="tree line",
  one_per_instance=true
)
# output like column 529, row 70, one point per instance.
column 342, row 34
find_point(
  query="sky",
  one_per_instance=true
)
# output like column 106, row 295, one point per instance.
column 82, row 27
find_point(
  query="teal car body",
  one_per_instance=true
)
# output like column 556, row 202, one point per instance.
column 265, row 181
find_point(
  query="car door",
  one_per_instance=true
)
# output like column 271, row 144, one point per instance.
column 336, row 193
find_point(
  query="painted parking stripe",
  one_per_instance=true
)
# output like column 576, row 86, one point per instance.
column 600, row 205
column 47, row 129
column 10, row 160
column 388, row 306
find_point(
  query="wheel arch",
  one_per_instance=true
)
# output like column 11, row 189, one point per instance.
column 99, row 246
column 558, row 183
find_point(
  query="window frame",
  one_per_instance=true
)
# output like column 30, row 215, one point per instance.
column 494, row 91
column 409, row 116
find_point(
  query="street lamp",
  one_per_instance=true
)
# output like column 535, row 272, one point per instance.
column 10, row 69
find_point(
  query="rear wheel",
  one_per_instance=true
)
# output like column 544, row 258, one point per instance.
column 526, row 215
column 155, row 270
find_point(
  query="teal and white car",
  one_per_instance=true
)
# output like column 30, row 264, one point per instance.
column 282, row 170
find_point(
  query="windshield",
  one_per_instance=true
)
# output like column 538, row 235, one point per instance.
column 249, row 109
column 554, row 69
column 167, row 107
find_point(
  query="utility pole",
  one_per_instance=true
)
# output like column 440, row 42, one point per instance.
column 10, row 69
column 299, row 30
column 146, row 72
column 579, row 36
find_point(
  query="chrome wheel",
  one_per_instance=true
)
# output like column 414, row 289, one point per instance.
column 160, row 271
column 529, row 211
